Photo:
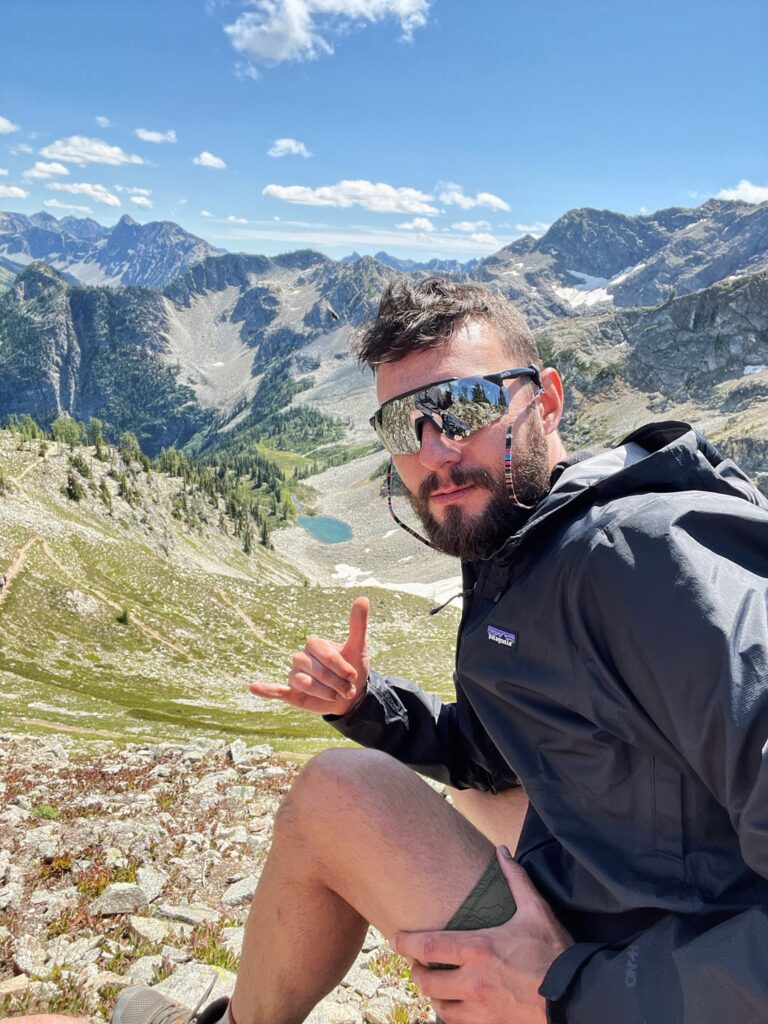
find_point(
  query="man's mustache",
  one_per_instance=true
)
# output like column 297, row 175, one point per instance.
column 459, row 477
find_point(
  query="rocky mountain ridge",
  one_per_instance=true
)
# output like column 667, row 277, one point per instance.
column 591, row 258
column 164, row 363
column 701, row 358
column 587, row 257
column 87, row 253
column 92, row 352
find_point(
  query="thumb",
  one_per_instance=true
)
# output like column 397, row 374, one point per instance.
column 522, row 888
column 355, row 650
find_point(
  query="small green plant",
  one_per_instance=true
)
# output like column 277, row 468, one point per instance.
column 124, row 616
column 401, row 1014
column 45, row 811
column 60, row 865
column 67, row 995
column 207, row 946
column 126, row 955
column 104, row 494
column 77, row 462
column 389, row 965
column 94, row 880
column 73, row 489
column 3, row 484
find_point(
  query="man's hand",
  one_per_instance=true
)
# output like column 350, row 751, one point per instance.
column 498, row 970
column 326, row 677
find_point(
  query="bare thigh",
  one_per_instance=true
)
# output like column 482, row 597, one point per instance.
column 383, row 839
column 499, row 816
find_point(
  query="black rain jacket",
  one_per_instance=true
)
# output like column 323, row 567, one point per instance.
column 613, row 658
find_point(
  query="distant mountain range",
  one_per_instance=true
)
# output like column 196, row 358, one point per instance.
column 87, row 253
column 587, row 258
column 660, row 313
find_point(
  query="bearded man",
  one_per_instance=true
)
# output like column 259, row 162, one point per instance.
column 612, row 662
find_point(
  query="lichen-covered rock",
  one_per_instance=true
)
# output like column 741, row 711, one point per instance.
column 120, row 898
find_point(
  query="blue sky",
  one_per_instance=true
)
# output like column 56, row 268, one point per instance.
column 423, row 127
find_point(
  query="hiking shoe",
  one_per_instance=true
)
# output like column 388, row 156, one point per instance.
column 139, row 1005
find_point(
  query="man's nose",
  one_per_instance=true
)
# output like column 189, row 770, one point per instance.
column 436, row 448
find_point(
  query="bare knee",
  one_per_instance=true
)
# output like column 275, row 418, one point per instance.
column 336, row 786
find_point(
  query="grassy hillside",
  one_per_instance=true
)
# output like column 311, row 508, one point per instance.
column 123, row 619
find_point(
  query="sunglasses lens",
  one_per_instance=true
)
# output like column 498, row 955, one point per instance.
column 456, row 408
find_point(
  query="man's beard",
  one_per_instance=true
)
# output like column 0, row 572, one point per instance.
column 474, row 537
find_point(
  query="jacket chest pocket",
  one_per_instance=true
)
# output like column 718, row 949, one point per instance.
column 668, row 814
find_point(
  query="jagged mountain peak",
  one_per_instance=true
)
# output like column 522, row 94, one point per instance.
column 129, row 253
column 36, row 280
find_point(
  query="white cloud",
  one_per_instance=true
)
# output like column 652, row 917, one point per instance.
column 13, row 192
column 6, row 126
column 454, row 195
column 103, row 122
column 133, row 190
column 21, row 148
column 288, row 147
column 232, row 219
column 147, row 135
column 78, row 149
column 98, row 193
column 376, row 196
column 205, row 213
column 183, row 202
column 206, row 159
column 55, row 204
column 44, row 171
column 417, row 224
column 3, row 171
column 369, row 239
column 539, row 228
column 285, row 30
column 468, row 226
column 142, row 201
column 745, row 192
column 483, row 238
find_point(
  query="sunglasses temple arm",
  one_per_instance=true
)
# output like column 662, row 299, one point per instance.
column 399, row 522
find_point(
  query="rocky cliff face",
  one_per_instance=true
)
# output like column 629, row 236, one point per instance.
column 91, row 352
column 596, row 258
column 701, row 357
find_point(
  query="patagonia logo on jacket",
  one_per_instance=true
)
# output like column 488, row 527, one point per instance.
column 502, row 637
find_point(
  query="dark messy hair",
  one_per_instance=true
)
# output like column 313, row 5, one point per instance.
column 416, row 315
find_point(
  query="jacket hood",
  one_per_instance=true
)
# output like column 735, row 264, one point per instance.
column 659, row 457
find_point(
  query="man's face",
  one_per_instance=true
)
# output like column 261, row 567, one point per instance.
column 457, row 486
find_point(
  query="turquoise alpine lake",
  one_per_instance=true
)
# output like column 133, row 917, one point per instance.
column 326, row 529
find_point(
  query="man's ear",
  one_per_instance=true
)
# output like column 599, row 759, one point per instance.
column 551, row 400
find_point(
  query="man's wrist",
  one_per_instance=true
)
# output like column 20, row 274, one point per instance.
column 358, row 700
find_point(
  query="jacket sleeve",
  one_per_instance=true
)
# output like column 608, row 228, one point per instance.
column 673, row 617
column 443, row 741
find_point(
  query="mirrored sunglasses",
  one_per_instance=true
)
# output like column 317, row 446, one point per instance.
column 457, row 408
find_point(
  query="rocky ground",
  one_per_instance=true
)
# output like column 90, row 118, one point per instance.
column 136, row 866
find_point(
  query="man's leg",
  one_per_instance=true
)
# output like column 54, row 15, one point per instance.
column 359, row 839
column 499, row 816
